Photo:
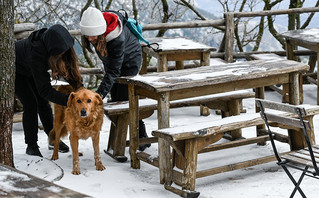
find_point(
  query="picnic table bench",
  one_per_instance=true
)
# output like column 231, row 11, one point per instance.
column 306, row 38
column 118, row 113
column 190, row 140
column 180, row 84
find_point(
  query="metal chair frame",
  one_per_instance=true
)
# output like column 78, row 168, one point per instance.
column 285, row 163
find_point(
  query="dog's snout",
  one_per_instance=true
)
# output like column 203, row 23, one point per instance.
column 83, row 112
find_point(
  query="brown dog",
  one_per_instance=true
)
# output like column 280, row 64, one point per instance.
column 83, row 118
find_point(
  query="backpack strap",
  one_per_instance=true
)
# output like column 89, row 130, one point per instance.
column 153, row 46
column 125, row 13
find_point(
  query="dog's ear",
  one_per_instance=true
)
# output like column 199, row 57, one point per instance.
column 99, row 99
column 71, row 96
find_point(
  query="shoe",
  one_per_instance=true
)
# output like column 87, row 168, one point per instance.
column 33, row 150
column 142, row 134
column 63, row 148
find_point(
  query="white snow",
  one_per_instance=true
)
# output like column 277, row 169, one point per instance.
column 120, row 180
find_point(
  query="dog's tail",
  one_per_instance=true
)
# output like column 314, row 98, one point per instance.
column 52, row 136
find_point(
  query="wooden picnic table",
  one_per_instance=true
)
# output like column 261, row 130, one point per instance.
column 16, row 183
column 307, row 38
column 179, row 84
column 175, row 49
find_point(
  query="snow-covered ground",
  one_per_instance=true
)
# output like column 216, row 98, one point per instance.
column 120, row 180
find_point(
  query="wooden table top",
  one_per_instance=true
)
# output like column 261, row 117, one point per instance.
column 307, row 36
column 173, row 45
column 212, row 75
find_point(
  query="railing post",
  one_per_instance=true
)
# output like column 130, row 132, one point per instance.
column 229, row 36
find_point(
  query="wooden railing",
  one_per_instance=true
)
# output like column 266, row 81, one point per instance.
column 226, row 24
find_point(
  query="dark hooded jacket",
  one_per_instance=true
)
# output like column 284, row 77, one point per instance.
column 124, row 55
column 32, row 55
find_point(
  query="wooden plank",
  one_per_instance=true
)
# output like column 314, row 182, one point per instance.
column 148, row 158
column 235, row 166
column 236, row 143
column 306, row 152
column 219, row 126
column 281, row 106
column 266, row 56
column 302, row 156
column 298, row 160
column 117, row 108
column 172, row 80
column 287, row 121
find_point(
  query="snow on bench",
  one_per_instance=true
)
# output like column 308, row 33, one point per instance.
column 118, row 113
column 190, row 140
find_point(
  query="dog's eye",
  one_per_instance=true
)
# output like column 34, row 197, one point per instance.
column 79, row 101
column 89, row 101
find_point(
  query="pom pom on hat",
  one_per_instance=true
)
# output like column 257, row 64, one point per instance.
column 92, row 22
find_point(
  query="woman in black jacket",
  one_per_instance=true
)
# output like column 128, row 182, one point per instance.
column 45, row 49
column 118, row 48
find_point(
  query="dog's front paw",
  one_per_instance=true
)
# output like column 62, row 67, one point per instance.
column 76, row 172
column 100, row 167
column 54, row 157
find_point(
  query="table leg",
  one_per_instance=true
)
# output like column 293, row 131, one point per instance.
column 179, row 65
column 165, row 166
column 296, row 141
column 144, row 64
column 134, row 118
column 234, row 109
column 205, row 61
column 290, row 56
column 162, row 63
column 260, row 93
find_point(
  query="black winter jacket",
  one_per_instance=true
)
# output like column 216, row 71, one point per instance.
column 32, row 55
column 124, row 57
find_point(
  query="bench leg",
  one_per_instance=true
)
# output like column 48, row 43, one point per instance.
column 204, row 110
column 189, row 176
column 117, row 138
column 234, row 107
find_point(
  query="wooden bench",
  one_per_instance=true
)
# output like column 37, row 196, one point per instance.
column 190, row 140
column 118, row 112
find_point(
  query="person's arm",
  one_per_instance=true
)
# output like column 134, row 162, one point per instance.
column 113, row 64
column 42, row 80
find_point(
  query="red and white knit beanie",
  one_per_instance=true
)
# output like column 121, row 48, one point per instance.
column 92, row 22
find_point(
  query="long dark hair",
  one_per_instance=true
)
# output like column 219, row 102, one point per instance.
column 65, row 65
column 100, row 46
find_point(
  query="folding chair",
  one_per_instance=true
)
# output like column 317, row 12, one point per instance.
column 304, row 159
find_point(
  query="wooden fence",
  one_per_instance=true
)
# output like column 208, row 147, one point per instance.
column 226, row 24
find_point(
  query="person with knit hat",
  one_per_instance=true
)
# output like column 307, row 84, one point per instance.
column 118, row 48
column 45, row 49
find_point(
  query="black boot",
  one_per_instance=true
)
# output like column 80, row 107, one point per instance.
column 33, row 150
column 142, row 134
column 63, row 148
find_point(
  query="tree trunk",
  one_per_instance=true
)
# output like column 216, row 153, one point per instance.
column 7, row 78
